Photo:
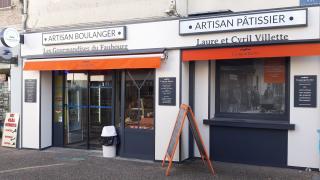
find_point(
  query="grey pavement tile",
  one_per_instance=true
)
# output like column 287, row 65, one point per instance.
column 71, row 164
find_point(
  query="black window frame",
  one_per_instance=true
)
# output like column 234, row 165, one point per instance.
column 253, row 116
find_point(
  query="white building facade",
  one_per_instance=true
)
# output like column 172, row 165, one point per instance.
column 248, row 71
column 10, row 62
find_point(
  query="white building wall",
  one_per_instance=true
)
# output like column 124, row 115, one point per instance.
column 46, row 109
column 185, row 100
column 165, row 34
column 11, row 16
column 47, row 13
column 166, row 115
column 16, row 93
column 31, row 115
column 303, row 142
column 213, row 89
column 196, row 6
column 16, row 88
column 201, row 104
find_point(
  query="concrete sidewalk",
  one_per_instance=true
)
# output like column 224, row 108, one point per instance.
column 62, row 163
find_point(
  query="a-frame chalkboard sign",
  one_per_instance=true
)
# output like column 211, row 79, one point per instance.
column 185, row 111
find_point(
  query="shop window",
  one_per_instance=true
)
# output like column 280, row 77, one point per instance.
column 5, row 3
column 252, row 87
column 4, row 98
column 139, row 99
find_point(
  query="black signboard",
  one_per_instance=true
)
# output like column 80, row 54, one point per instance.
column 305, row 91
column 185, row 111
column 167, row 91
column 30, row 90
column 176, row 131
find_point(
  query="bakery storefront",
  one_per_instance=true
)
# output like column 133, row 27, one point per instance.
column 250, row 77
column 88, row 79
column 89, row 92
column 257, row 88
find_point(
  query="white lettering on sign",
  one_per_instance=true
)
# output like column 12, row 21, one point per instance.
column 84, row 48
column 10, row 128
column 284, row 18
column 103, row 34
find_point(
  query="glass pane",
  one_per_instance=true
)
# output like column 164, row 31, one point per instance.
column 117, row 96
column 58, row 98
column 139, row 105
column 100, row 105
column 4, row 98
column 254, row 86
column 76, row 109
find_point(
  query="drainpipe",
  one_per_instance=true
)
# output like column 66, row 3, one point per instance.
column 24, row 28
column 25, row 14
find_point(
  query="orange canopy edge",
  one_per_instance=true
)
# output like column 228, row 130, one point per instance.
column 263, row 51
column 93, row 63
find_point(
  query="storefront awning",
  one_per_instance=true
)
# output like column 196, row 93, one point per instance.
column 96, row 63
column 263, row 51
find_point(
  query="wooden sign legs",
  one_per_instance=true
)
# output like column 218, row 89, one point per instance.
column 208, row 164
column 169, row 166
column 185, row 111
column 199, row 140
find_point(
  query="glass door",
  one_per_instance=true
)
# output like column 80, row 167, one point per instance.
column 83, row 104
column 76, row 110
column 100, row 86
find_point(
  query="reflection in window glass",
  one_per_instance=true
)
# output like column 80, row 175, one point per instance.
column 58, row 97
column 5, row 3
column 4, row 98
column 76, row 98
column 254, row 86
column 139, row 99
column 100, row 109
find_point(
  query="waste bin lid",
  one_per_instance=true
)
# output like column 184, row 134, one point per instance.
column 108, row 131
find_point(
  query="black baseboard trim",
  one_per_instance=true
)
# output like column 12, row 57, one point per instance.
column 248, row 123
column 45, row 148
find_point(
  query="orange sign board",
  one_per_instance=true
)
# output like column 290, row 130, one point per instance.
column 93, row 63
column 274, row 71
column 263, row 51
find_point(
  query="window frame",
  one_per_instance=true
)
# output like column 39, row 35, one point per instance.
column 253, row 116
column 2, row 4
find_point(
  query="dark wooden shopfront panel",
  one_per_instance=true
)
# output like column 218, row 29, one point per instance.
column 138, row 143
column 266, row 147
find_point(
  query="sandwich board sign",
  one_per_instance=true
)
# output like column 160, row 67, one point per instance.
column 185, row 112
column 10, row 129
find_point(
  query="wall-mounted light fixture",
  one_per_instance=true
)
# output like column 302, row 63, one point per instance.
column 172, row 9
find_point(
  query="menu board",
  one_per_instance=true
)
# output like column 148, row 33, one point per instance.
column 177, row 131
column 196, row 133
column 30, row 90
column 10, row 128
column 305, row 91
column 167, row 91
column 185, row 111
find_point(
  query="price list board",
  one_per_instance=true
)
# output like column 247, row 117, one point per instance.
column 167, row 91
column 30, row 90
column 305, row 91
